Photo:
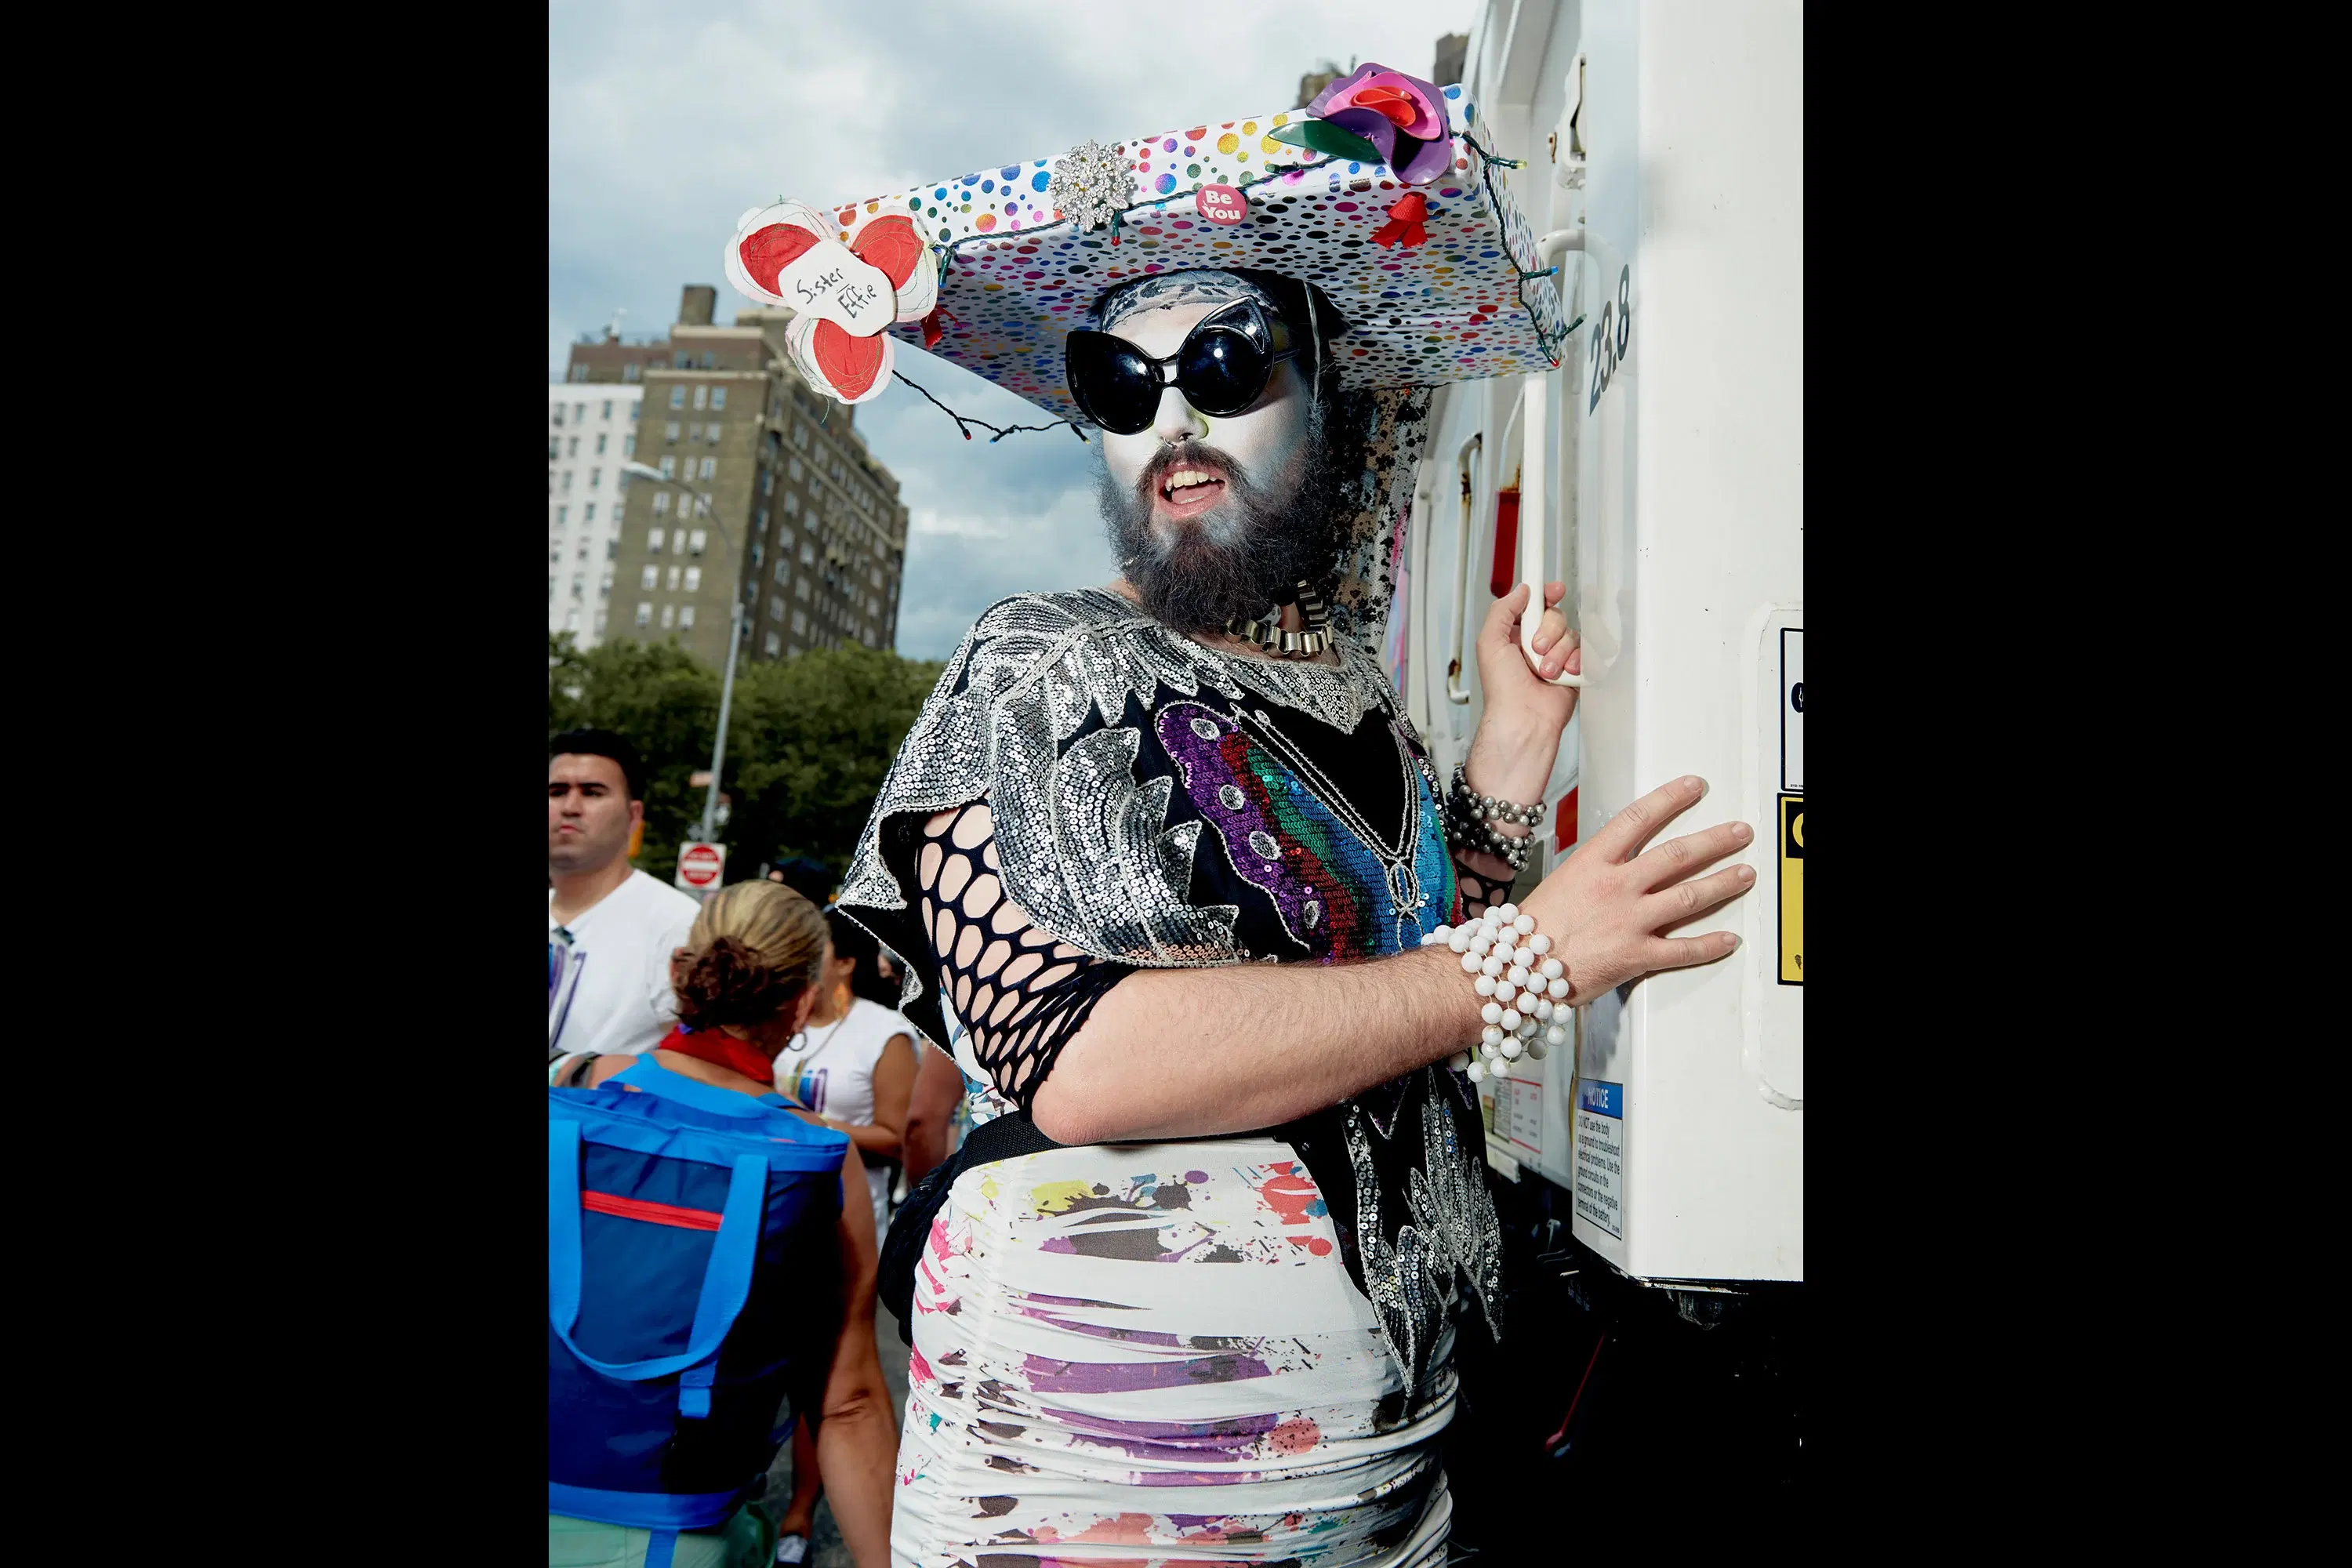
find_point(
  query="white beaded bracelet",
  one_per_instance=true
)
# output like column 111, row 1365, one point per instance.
column 1512, row 969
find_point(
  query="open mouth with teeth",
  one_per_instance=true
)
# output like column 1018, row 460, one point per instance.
column 1185, row 491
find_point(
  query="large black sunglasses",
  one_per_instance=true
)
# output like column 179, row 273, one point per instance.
column 1221, row 367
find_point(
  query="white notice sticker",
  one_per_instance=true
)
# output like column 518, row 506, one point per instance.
column 1792, row 710
column 1518, row 1115
column 1600, row 1155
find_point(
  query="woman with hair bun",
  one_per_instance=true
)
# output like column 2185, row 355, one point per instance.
column 745, row 984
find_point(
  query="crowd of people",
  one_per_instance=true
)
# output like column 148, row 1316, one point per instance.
column 759, row 992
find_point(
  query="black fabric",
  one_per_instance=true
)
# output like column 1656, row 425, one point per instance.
column 901, row 930
column 1021, row 993
column 1001, row 1138
column 1479, row 893
column 1291, row 295
column 1321, row 1143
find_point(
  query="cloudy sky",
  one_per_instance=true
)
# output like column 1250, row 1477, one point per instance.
column 666, row 121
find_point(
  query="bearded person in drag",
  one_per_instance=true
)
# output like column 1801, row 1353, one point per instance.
column 1209, row 926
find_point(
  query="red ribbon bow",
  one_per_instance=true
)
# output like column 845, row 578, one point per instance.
column 1404, row 226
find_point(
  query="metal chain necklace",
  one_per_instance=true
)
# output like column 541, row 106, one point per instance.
column 1267, row 632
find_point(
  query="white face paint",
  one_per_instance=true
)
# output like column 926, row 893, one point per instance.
column 1264, row 444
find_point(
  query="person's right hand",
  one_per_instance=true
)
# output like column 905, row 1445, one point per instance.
column 1605, row 906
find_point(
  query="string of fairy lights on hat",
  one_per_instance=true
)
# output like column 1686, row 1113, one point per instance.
column 964, row 420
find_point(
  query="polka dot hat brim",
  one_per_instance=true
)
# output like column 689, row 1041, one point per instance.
column 1436, row 279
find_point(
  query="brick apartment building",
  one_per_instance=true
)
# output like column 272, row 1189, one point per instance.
column 767, row 491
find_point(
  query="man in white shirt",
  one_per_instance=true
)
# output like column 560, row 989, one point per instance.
column 609, row 927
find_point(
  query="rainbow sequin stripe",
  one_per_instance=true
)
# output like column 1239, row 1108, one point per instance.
column 1333, row 892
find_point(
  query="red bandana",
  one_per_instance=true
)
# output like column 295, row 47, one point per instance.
column 720, row 1049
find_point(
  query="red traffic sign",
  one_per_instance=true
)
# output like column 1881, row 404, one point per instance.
column 699, row 866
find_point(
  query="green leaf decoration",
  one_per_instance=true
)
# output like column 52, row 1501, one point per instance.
column 1322, row 136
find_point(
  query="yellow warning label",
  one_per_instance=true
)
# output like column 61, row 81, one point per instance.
column 1792, row 890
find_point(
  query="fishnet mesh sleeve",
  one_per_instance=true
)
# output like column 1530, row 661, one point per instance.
column 1021, row 993
column 1479, row 891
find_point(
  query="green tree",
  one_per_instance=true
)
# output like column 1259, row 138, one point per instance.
column 809, row 741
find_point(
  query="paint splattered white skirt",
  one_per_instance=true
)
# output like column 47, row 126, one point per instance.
column 1151, row 1354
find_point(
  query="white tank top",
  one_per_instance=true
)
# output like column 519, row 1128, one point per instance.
column 830, row 1069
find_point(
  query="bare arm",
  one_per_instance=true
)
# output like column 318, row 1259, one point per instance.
column 1189, row 1052
column 938, row 1082
column 1511, row 755
column 857, row 1438
column 894, row 1080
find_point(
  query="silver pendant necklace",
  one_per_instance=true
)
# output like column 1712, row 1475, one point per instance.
column 829, row 1034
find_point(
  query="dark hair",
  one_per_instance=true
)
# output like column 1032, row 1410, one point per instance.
column 853, row 941
column 602, row 744
column 1323, row 319
column 726, row 983
column 1316, row 332
column 813, row 879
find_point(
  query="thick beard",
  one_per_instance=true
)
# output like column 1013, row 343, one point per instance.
column 1238, row 560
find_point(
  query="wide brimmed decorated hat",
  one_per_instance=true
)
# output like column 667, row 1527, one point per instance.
column 1381, row 192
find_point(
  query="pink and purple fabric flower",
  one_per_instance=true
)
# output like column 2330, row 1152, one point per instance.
column 1401, row 115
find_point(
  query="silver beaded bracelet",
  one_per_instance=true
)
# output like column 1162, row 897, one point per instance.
column 1514, row 969
column 1472, row 835
column 1488, row 808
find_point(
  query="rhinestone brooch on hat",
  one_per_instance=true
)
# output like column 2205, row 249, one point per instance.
column 1092, row 185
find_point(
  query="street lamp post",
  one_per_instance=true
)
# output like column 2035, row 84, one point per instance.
column 725, row 699
column 734, row 641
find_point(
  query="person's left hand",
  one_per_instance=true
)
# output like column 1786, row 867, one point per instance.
column 1519, row 734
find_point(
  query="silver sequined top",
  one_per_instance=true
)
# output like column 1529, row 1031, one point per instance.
column 1086, row 848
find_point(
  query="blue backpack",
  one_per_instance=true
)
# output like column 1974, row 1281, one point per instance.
column 693, row 1295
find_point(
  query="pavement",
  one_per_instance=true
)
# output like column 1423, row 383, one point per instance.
column 827, row 1549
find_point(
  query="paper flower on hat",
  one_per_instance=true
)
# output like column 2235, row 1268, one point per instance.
column 844, row 294
column 1092, row 183
column 1401, row 116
